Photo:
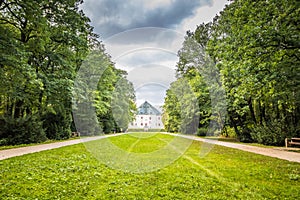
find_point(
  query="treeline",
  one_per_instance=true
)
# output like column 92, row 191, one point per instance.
column 43, row 45
column 253, row 50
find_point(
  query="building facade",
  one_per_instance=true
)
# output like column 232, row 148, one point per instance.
column 148, row 117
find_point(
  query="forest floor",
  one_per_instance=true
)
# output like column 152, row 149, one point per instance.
column 276, row 152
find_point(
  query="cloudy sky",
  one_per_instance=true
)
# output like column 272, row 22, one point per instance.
column 144, row 36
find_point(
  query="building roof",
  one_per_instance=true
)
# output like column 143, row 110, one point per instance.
column 147, row 109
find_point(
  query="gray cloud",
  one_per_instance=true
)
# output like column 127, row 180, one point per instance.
column 153, row 93
column 147, row 56
column 142, row 37
column 110, row 17
column 151, row 74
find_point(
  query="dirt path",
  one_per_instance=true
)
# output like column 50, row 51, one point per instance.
column 276, row 153
column 8, row 153
column 285, row 155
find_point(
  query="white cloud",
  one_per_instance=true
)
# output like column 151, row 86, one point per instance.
column 143, row 37
column 153, row 93
column 203, row 14
column 153, row 4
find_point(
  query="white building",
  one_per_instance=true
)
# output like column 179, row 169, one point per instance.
column 148, row 117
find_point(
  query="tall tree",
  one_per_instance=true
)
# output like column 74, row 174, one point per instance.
column 257, row 45
column 103, row 99
column 45, row 42
column 253, row 50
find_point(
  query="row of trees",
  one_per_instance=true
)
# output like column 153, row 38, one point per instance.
column 251, row 50
column 43, row 45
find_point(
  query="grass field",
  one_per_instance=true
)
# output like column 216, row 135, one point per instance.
column 4, row 147
column 74, row 173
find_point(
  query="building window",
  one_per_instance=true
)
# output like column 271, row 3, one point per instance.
column 159, row 118
column 141, row 124
column 149, row 118
column 142, row 117
column 158, row 124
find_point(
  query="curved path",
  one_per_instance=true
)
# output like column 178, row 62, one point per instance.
column 285, row 155
column 8, row 153
column 276, row 153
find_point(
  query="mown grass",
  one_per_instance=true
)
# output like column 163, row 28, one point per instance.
column 235, row 140
column 73, row 173
column 4, row 147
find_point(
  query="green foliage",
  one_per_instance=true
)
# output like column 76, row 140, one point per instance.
column 73, row 173
column 202, row 131
column 270, row 134
column 180, row 108
column 103, row 99
column 43, row 45
column 203, row 86
column 22, row 130
column 123, row 105
column 56, row 126
column 255, row 43
column 254, row 46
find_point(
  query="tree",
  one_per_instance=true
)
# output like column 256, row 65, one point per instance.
column 203, row 77
column 123, row 102
column 180, row 111
column 44, row 43
column 250, row 55
column 256, row 46
column 103, row 98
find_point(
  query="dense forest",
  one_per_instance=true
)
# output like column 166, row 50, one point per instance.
column 248, row 54
column 43, row 45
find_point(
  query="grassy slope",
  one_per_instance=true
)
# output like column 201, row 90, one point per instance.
column 73, row 173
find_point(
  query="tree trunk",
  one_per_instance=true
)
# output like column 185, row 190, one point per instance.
column 251, row 110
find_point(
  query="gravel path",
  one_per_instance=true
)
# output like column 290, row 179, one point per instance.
column 285, row 155
column 276, row 153
column 8, row 153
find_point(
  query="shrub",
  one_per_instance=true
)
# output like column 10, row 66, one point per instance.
column 229, row 132
column 202, row 131
column 272, row 133
column 57, row 126
column 23, row 130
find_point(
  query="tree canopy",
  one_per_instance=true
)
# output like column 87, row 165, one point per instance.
column 43, row 45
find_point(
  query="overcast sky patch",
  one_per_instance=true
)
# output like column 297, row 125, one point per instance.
column 110, row 17
column 144, row 36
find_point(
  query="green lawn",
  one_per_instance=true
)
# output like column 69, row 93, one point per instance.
column 74, row 173
column 4, row 147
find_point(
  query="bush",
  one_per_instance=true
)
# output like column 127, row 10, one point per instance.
column 271, row 134
column 57, row 126
column 245, row 135
column 229, row 132
column 23, row 130
column 202, row 131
